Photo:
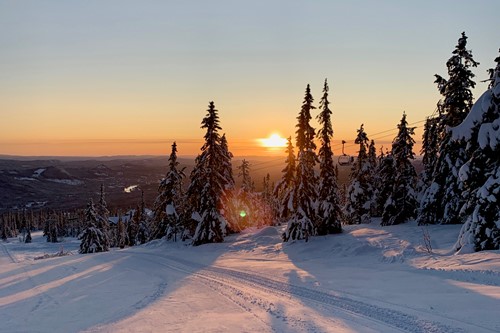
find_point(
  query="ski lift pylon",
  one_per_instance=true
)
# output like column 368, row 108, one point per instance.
column 344, row 159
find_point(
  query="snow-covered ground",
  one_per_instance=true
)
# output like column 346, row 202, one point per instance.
column 368, row 279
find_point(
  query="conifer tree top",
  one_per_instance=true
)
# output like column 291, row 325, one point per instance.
column 456, row 90
column 324, row 117
column 305, row 133
column 211, row 123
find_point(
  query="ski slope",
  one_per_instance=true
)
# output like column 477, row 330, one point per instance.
column 368, row 279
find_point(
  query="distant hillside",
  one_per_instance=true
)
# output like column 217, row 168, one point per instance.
column 67, row 184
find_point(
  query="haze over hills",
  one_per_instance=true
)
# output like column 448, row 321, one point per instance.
column 67, row 182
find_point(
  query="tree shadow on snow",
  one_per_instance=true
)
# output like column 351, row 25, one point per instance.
column 85, row 292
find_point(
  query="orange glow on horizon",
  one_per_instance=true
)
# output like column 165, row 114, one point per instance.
column 272, row 146
column 273, row 141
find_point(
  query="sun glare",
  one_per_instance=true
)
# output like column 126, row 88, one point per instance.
column 274, row 141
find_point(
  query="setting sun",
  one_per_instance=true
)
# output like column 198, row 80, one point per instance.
column 274, row 141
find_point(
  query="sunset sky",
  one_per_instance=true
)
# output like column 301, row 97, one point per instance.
column 129, row 77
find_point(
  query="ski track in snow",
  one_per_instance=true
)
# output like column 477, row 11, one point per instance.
column 226, row 281
column 43, row 298
column 485, row 277
column 7, row 254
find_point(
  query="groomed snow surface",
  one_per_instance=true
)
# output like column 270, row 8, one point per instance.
column 368, row 279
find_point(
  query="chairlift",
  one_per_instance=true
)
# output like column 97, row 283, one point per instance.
column 344, row 159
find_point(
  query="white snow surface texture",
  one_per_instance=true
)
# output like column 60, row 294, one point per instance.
column 367, row 279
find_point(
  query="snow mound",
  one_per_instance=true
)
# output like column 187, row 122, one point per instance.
column 267, row 232
column 264, row 240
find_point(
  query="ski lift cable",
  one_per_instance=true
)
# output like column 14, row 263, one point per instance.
column 375, row 136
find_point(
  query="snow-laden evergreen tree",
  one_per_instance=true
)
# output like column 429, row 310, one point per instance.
column 401, row 204
column 373, row 160
column 103, row 217
column 143, row 222
column 302, row 222
column 267, row 192
column 329, row 210
column 209, row 179
column 27, row 228
column 245, row 198
column 267, row 206
column 284, row 190
column 228, row 208
column 51, row 228
column 430, row 141
column 360, row 190
column 247, row 184
column 481, row 173
column 92, row 238
column 121, row 235
column 443, row 198
column 193, row 198
column 372, row 155
column 384, row 180
column 226, row 166
column 166, row 222
column 28, row 238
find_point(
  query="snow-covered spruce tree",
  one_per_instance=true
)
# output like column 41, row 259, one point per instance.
column 302, row 222
column 372, row 155
column 401, row 204
column 360, row 190
column 209, row 179
column 246, row 198
column 373, row 160
column 267, row 192
column 228, row 208
column 384, row 180
column 51, row 229
column 28, row 238
column 429, row 151
column 267, row 203
column 193, row 198
column 284, row 190
column 92, row 238
column 27, row 228
column 247, row 184
column 481, row 173
column 166, row 220
column 226, row 165
column 121, row 235
column 131, row 229
column 329, row 210
column 443, row 198
column 143, row 222
column 103, row 217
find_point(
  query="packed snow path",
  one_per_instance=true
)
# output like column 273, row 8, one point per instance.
column 252, row 283
column 244, row 289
